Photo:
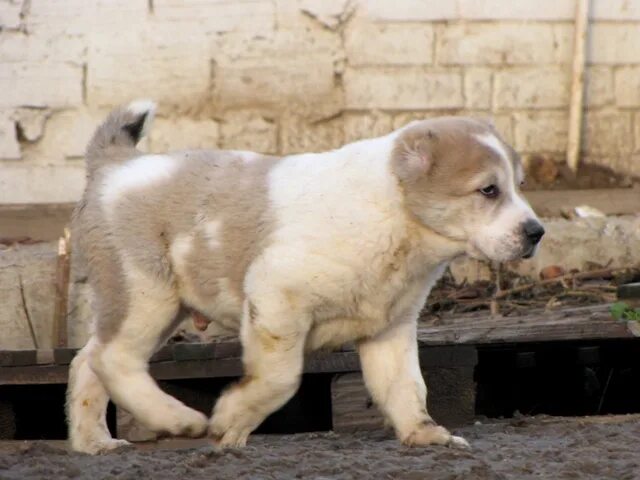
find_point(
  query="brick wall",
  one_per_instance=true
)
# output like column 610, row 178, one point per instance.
column 282, row 76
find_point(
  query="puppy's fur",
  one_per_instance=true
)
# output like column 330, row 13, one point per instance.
column 295, row 253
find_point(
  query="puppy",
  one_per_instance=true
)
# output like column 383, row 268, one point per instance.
column 294, row 253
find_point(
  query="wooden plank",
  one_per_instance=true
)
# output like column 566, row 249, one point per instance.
column 589, row 330
column 610, row 201
column 194, row 351
column 162, row 355
column 63, row 356
column 44, row 221
column 18, row 357
column 33, row 375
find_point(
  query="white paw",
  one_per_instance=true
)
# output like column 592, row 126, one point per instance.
column 100, row 446
column 188, row 422
column 459, row 442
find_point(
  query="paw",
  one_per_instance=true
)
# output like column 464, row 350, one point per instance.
column 100, row 446
column 431, row 434
column 459, row 442
column 228, row 426
column 190, row 423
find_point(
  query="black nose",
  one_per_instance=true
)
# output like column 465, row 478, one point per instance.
column 533, row 231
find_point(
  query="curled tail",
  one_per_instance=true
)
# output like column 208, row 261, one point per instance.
column 122, row 129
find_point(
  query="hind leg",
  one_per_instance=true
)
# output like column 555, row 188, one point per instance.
column 87, row 407
column 121, row 363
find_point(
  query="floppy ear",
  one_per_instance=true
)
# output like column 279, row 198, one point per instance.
column 412, row 156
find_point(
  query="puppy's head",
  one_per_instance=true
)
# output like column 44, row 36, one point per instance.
column 461, row 180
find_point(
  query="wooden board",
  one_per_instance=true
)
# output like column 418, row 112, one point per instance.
column 610, row 201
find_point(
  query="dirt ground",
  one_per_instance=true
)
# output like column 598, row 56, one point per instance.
column 521, row 448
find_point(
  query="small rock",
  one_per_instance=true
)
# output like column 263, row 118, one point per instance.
column 552, row 271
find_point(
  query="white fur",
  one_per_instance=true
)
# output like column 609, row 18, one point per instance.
column 139, row 107
column 136, row 174
column 211, row 230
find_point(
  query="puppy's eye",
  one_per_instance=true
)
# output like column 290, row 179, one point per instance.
column 490, row 191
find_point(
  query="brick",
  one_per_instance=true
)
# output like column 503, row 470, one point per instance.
column 537, row 132
column 330, row 13
column 21, row 183
column 599, row 86
column 531, row 88
column 299, row 137
column 31, row 122
column 79, row 17
column 627, row 86
column 150, row 60
column 477, row 88
column 515, row 10
column 623, row 10
column 67, row 135
column 10, row 14
column 42, row 46
column 402, row 89
column 359, row 126
column 636, row 132
column 9, row 146
column 183, row 133
column 504, row 126
column 614, row 43
column 496, row 44
column 608, row 134
column 410, row 10
column 39, row 85
column 304, row 81
column 243, row 130
column 218, row 16
column 369, row 44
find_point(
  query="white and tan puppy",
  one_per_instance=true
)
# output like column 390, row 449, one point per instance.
column 295, row 253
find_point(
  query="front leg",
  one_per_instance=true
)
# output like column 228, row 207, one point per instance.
column 273, row 342
column 391, row 371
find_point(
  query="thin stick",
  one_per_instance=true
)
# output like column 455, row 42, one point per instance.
column 600, row 273
column 62, row 291
column 577, row 83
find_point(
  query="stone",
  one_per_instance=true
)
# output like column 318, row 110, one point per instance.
column 496, row 44
column 300, row 137
column 31, row 122
column 608, row 133
column 330, row 13
column 245, row 130
column 519, row 10
column 368, row 44
column 359, row 126
column 41, row 183
column 406, row 89
column 41, row 85
column 183, row 133
column 599, row 89
column 627, row 86
column 544, row 131
column 614, row 43
column 477, row 88
column 10, row 11
column 219, row 16
column 531, row 88
column 409, row 10
column 9, row 145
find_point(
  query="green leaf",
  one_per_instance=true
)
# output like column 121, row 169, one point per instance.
column 618, row 310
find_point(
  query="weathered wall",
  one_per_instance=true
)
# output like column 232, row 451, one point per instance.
column 283, row 76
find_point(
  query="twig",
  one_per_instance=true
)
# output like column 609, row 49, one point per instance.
column 32, row 331
column 600, row 273
column 62, row 291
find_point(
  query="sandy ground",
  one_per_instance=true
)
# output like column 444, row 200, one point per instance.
column 524, row 448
